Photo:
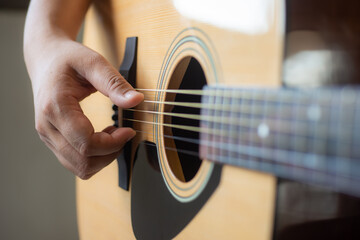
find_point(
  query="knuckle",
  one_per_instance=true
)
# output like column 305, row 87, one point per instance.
column 83, row 170
column 47, row 109
column 116, row 82
column 84, row 148
column 44, row 133
column 85, row 176
column 41, row 130
column 43, row 138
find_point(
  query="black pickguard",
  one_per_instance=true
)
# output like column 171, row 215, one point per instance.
column 155, row 213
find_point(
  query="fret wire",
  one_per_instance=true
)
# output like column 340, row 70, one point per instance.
column 220, row 114
column 261, row 129
column 224, row 101
column 233, row 128
column 244, row 136
column 295, row 139
column 212, row 135
column 210, row 124
column 241, row 139
column 349, row 131
column 338, row 130
column 251, row 163
column 217, row 113
column 216, row 125
column 285, row 154
column 204, row 136
column 316, row 145
column 339, row 149
column 333, row 119
column 348, row 128
column 356, row 131
column 266, row 142
column 277, row 138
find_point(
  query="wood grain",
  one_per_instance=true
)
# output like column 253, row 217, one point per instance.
column 243, row 205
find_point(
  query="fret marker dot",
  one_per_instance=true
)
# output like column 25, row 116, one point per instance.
column 263, row 130
column 314, row 113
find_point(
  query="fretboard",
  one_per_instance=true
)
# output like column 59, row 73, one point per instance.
column 307, row 135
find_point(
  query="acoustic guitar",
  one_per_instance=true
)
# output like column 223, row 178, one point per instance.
column 249, row 127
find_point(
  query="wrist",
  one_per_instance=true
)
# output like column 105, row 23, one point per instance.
column 41, row 45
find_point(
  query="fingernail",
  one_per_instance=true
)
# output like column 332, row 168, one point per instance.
column 130, row 94
column 132, row 136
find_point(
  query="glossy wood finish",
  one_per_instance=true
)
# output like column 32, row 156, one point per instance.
column 242, row 207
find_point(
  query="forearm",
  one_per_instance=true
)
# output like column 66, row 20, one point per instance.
column 47, row 18
column 48, row 24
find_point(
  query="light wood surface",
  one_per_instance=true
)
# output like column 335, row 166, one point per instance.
column 243, row 205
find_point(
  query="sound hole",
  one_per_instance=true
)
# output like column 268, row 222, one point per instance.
column 184, row 161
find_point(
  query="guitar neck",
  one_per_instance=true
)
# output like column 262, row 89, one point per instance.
column 308, row 135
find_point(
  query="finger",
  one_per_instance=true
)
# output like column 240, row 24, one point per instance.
column 82, row 166
column 106, row 79
column 110, row 129
column 78, row 131
column 98, row 163
column 102, row 143
column 66, row 155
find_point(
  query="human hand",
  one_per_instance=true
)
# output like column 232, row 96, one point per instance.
column 63, row 74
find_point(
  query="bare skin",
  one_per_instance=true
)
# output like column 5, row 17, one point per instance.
column 63, row 72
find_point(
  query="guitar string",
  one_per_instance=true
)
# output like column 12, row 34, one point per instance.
column 246, row 94
column 230, row 147
column 260, row 153
column 197, row 105
column 234, row 147
column 223, row 107
column 246, row 121
column 227, row 106
column 233, row 134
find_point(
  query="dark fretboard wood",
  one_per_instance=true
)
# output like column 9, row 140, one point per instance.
column 307, row 135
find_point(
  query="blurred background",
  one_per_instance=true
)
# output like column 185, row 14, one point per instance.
column 37, row 198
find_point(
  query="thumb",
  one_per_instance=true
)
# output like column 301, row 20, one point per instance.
column 106, row 79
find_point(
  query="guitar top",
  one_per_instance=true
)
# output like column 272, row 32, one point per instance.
column 248, row 129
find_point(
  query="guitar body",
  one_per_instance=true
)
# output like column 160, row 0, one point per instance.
column 215, row 202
